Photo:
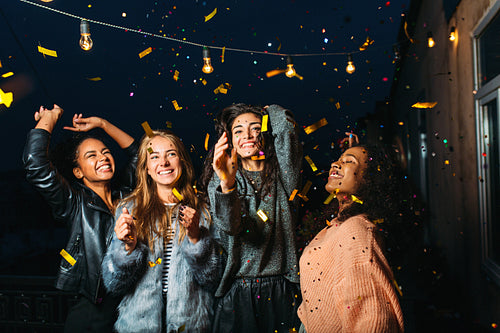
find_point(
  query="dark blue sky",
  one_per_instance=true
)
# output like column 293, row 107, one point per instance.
column 297, row 27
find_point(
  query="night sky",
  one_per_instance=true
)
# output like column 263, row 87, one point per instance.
column 113, row 82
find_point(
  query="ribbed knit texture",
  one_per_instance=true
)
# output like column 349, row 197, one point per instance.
column 347, row 284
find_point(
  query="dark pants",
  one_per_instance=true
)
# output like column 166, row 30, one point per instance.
column 85, row 316
column 267, row 304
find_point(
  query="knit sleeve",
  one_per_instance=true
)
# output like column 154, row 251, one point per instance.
column 366, row 298
column 225, row 208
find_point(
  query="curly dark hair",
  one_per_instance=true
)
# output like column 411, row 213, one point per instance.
column 224, row 123
column 381, row 188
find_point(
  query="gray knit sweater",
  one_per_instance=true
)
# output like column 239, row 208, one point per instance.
column 256, row 248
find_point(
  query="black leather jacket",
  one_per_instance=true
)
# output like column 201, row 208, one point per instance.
column 85, row 213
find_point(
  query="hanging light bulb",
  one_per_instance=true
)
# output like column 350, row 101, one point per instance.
column 453, row 36
column 85, row 41
column 290, row 71
column 430, row 40
column 350, row 65
column 207, row 62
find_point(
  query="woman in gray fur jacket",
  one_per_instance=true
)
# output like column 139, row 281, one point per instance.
column 162, row 257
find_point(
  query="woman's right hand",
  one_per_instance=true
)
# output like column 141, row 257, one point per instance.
column 47, row 118
column 225, row 165
column 126, row 231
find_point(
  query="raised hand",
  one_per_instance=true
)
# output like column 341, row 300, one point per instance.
column 349, row 141
column 126, row 230
column 47, row 118
column 81, row 124
column 190, row 219
column 225, row 165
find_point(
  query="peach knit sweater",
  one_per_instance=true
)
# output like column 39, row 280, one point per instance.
column 346, row 282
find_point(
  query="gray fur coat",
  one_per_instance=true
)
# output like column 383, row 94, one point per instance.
column 193, row 276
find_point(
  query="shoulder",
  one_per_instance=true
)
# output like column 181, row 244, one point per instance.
column 357, row 226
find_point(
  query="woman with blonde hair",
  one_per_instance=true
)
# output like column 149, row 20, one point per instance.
column 162, row 257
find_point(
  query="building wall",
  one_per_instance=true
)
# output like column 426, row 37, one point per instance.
column 448, row 175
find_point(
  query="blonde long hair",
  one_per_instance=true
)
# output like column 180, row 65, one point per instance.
column 152, row 218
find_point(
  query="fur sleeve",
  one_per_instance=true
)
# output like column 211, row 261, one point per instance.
column 204, row 258
column 120, row 270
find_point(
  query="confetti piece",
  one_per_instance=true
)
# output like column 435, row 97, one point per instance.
column 48, row 52
column 494, row 325
column 397, row 288
column 206, row 141
column 315, row 126
column 177, row 194
column 130, row 237
column 446, row 162
column 275, row 72
column 223, row 52
column 311, row 163
column 147, row 129
column 8, row 74
column 150, row 150
column 6, row 98
column 377, row 221
column 337, row 105
column 258, row 158
column 153, row 264
column 406, row 32
column 424, row 105
column 176, row 105
column 330, row 198
column 292, row 196
column 176, row 75
column 279, row 46
column 145, row 52
column 223, row 88
column 328, row 223
column 367, row 43
column 95, row 79
column 306, row 188
column 67, row 257
column 262, row 215
column 204, row 82
column 212, row 14
column 169, row 124
column 264, row 123
column 355, row 199
column 182, row 328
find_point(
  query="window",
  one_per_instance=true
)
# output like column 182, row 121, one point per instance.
column 487, row 83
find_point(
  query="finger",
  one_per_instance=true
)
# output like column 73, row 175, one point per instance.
column 73, row 129
column 37, row 116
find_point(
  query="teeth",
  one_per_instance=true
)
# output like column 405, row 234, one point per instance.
column 247, row 145
column 105, row 167
column 166, row 172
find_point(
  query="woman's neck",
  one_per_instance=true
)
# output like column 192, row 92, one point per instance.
column 252, row 165
column 166, row 195
column 103, row 190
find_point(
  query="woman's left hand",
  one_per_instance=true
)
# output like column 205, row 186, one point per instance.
column 190, row 219
column 81, row 124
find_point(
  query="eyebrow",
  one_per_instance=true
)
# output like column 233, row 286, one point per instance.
column 166, row 151
column 94, row 151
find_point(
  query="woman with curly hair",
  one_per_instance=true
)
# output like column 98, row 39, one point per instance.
column 162, row 257
column 346, row 282
column 256, row 171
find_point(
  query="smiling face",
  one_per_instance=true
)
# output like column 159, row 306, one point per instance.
column 163, row 163
column 347, row 173
column 245, row 135
column 95, row 162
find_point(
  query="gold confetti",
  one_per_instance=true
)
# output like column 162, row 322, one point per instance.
column 150, row 150
column 95, row 79
column 262, row 215
column 275, row 72
column 223, row 88
column 355, row 199
column 315, row 126
column 145, row 52
column 292, row 196
column 264, row 123
column 397, row 288
column 147, row 129
column 328, row 223
column 204, row 82
column 367, row 43
column 153, row 264
column 279, row 46
column 406, row 32
column 176, row 75
column 67, row 257
column 424, row 105
column 258, row 158
column 337, row 105
column 177, row 194
column 169, row 124
column 311, row 163
column 330, row 198
column 212, row 14
column 48, row 52
column 206, row 141
column 306, row 188
column 223, row 52
column 6, row 98
column 377, row 221
column 176, row 105
column 8, row 74
column 446, row 162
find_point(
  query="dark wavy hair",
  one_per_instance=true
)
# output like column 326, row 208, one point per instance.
column 381, row 188
column 224, row 123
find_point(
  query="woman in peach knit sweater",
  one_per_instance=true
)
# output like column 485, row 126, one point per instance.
column 346, row 282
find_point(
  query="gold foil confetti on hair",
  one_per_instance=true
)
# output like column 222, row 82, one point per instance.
column 177, row 194
column 147, row 129
column 355, row 199
column 150, row 150
column 67, row 257
column 397, row 288
column 264, row 123
column 315, row 126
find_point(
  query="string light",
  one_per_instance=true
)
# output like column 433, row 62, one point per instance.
column 85, row 40
column 430, row 40
column 290, row 71
column 453, row 36
column 207, row 62
column 350, row 65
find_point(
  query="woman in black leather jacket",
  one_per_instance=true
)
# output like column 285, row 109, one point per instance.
column 86, row 206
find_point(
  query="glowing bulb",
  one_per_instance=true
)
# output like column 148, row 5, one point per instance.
column 85, row 41
column 430, row 40
column 290, row 71
column 350, row 65
column 453, row 35
column 207, row 62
